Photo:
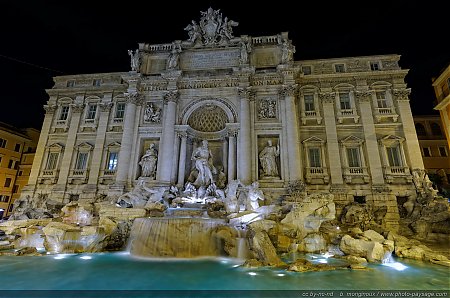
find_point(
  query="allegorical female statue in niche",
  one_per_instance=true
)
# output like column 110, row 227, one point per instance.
column 148, row 162
column 267, row 158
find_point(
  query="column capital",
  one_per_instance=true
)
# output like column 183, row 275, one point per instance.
column 402, row 94
column 288, row 90
column 363, row 96
column 182, row 134
column 246, row 92
column 50, row 108
column 105, row 106
column 171, row 96
column 133, row 97
column 232, row 132
column 327, row 97
column 77, row 108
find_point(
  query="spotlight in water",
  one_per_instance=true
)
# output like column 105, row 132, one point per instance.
column 396, row 265
column 86, row 257
column 281, row 274
column 58, row 257
column 252, row 273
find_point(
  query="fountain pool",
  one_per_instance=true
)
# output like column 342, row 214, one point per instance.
column 121, row 271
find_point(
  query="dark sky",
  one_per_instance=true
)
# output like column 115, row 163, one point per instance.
column 42, row 39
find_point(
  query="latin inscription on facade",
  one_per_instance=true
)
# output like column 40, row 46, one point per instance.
column 210, row 59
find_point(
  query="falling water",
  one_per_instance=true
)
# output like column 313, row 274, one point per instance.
column 175, row 237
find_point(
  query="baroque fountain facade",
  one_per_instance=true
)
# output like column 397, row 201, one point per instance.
column 218, row 143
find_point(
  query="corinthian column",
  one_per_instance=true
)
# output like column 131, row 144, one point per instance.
column 166, row 150
column 291, row 125
column 105, row 108
column 412, row 143
column 40, row 149
column 77, row 109
column 329, row 118
column 231, row 167
column 182, row 159
column 370, row 137
column 245, row 141
column 127, row 138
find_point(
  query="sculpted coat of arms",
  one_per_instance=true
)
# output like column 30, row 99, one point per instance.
column 212, row 28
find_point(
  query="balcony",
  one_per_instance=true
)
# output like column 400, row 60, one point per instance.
column 317, row 175
column 385, row 113
column 396, row 173
column 356, row 175
column 78, row 176
column 343, row 114
column 313, row 116
column 108, row 176
column 48, row 176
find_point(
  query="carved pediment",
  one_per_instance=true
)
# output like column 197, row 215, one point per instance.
column 313, row 139
column 352, row 140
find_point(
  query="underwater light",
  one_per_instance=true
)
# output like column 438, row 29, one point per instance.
column 396, row 265
column 281, row 274
column 252, row 273
column 86, row 257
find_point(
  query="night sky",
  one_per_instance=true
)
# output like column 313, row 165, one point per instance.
column 42, row 39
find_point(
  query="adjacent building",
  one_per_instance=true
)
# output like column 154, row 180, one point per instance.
column 342, row 125
column 17, row 147
column 433, row 145
column 441, row 86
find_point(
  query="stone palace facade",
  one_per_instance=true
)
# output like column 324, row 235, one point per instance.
column 342, row 125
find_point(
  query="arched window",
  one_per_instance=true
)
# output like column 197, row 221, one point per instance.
column 420, row 129
column 436, row 129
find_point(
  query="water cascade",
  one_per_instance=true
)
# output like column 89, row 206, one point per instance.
column 175, row 237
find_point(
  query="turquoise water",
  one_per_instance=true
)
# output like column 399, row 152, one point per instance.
column 120, row 271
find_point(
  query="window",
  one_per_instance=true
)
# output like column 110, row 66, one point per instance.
column 339, row 67
column 420, row 129
column 64, row 113
column 309, row 102
column 2, row 143
column 359, row 199
column 394, row 158
column 92, row 110
column 344, row 99
column 4, row 198
column 120, row 110
column 81, row 161
column 436, row 129
column 354, row 161
column 314, row 158
column 7, row 182
column 0, row 160
column 374, row 66
column 29, row 149
column 381, row 99
column 11, row 164
column 442, row 151
column 16, row 165
column 17, row 148
column 70, row 83
column 15, row 188
column 97, row 82
column 426, row 151
column 112, row 160
column 306, row 70
column 52, row 161
column 20, row 173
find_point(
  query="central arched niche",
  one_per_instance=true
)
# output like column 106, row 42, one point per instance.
column 208, row 118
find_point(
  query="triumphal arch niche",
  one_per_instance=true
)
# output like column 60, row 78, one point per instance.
column 236, row 93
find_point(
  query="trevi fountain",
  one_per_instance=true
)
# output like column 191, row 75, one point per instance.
column 222, row 233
